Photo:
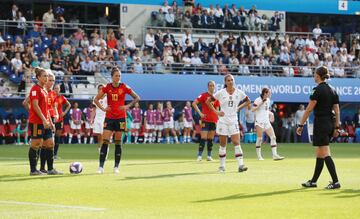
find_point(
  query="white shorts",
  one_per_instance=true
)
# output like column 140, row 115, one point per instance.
column 148, row 126
column 75, row 127
column 227, row 129
column 264, row 125
column 98, row 127
column 135, row 125
column 179, row 126
column 169, row 125
column 188, row 124
column 159, row 127
column 88, row 125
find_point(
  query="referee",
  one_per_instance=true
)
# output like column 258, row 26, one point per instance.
column 324, row 101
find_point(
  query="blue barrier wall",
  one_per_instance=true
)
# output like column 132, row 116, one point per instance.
column 303, row 6
column 188, row 87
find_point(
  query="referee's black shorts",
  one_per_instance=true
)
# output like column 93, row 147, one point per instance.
column 323, row 131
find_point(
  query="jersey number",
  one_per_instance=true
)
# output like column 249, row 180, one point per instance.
column 230, row 103
column 114, row 97
column 123, row 125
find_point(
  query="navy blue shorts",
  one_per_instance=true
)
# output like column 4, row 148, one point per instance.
column 208, row 126
column 115, row 125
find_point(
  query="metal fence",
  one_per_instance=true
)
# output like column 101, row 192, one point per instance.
column 221, row 69
column 213, row 32
column 23, row 28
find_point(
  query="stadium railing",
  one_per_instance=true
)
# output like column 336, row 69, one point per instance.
column 213, row 33
column 62, row 28
column 221, row 69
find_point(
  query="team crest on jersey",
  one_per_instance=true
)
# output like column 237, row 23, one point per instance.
column 33, row 93
column 230, row 97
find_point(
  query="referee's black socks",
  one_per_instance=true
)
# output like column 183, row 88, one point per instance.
column 318, row 168
column 331, row 167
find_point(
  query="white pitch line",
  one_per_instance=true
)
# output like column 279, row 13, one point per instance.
column 51, row 205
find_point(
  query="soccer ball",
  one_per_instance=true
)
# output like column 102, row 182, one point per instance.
column 76, row 168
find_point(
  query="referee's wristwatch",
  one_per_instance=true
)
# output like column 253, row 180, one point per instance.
column 301, row 126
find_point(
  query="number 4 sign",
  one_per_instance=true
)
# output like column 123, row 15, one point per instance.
column 343, row 5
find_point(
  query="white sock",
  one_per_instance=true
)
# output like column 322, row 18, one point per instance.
column 153, row 136
column 79, row 138
column 145, row 137
column 85, row 140
column 274, row 150
column 239, row 155
column 136, row 137
column 150, row 137
column 222, row 156
column 273, row 145
column 91, row 140
column 258, row 151
column 70, row 138
column 168, row 140
column 176, row 139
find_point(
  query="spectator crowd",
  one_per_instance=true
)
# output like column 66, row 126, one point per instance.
column 79, row 51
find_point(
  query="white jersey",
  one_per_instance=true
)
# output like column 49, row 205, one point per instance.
column 229, row 104
column 99, row 114
column 262, row 113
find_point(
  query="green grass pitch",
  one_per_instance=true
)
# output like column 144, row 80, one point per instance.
column 165, row 181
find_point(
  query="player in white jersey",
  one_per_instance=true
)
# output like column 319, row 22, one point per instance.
column 98, row 122
column 232, row 100
column 261, row 107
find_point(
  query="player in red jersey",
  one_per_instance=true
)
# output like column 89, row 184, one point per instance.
column 208, row 120
column 39, row 118
column 47, row 150
column 115, row 119
column 60, row 101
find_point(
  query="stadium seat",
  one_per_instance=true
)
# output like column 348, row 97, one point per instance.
column 5, row 69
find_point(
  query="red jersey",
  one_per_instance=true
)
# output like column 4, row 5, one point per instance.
column 116, row 98
column 210, row 116
column 51, row 102
column 38, row 93
column 60, row 100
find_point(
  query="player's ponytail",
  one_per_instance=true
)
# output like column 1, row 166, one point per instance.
column 323, row 72
column 38, row 71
